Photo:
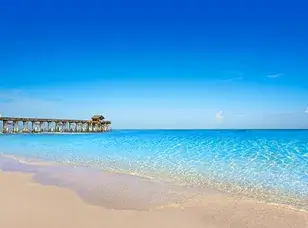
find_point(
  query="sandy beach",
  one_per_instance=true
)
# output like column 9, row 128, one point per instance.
column 25, row 203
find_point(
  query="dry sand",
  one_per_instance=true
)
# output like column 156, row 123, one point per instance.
column 24, row 203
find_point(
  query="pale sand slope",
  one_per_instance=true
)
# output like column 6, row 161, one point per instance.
column 24, row 203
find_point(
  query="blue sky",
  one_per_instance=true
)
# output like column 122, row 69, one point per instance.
column 160, row 64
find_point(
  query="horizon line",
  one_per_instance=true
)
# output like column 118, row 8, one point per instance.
column 211, row 129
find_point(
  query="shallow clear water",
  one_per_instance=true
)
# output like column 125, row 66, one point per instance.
column 271, row 165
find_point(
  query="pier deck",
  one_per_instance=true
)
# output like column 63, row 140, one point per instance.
column 38, row 125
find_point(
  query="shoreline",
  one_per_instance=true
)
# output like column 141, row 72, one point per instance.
column 133, row 175
column 296, row 205
column 25, row 202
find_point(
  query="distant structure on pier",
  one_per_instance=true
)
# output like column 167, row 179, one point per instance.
column 40, row 125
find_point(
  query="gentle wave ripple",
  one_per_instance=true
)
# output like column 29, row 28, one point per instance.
column 270, row 165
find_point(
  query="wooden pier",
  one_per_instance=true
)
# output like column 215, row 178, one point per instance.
column 40, row 125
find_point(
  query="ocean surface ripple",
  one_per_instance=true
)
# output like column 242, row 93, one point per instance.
column 270, row 165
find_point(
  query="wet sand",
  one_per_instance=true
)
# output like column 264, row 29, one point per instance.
column 25, row 203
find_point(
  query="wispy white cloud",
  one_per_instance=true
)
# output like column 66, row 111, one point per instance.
column 274, row 75
column 219, row 116
column 306, row 110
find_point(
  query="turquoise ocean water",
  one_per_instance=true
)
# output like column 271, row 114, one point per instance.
column 265, row 164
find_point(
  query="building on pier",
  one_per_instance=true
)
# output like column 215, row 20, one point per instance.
column 97, row 118
column 38, row 125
